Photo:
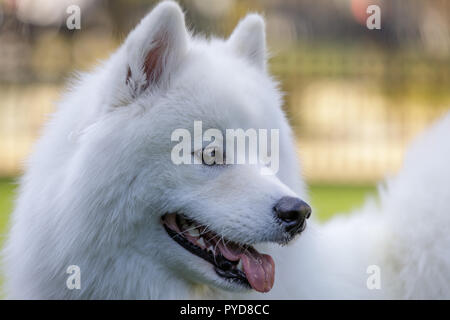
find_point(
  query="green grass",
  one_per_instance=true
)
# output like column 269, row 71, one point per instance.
column 328, row 200
column 7, row 188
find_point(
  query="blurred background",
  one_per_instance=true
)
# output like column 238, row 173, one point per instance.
column 355, row 97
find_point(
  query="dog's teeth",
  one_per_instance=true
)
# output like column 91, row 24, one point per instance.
column 194, row 233
column 201, row 242
column 239, row 265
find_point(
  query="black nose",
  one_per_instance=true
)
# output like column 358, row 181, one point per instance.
column 292, row 213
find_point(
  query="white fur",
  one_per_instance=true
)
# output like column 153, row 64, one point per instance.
column 100, row 178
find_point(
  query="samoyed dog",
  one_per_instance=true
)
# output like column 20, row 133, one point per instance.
column 103, row 197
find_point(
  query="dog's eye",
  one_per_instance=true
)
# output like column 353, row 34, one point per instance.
column 210, row 156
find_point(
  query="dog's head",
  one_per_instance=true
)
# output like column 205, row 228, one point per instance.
column 203, row 212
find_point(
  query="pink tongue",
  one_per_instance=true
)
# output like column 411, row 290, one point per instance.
column 259, row 268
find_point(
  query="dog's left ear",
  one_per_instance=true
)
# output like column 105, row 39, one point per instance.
column 249, row 40
column 155, row 48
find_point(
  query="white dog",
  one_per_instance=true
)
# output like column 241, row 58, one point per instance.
column 101, row 192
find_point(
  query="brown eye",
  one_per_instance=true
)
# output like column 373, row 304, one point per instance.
column 209, row 156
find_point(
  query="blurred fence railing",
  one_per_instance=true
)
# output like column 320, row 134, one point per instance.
column 354, row 111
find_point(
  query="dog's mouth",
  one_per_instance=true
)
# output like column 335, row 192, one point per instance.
column 239, row 263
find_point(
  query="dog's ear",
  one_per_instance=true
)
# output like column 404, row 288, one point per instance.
column 155, row 47
column 249, row 40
